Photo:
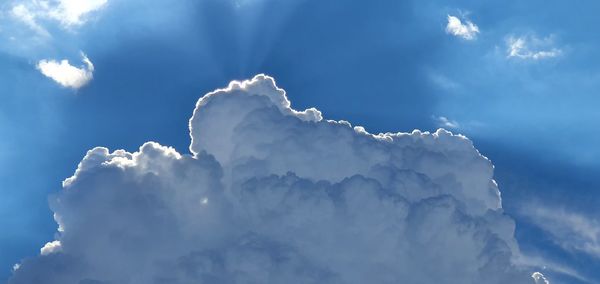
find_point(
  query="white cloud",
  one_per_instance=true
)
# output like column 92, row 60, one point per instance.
column 539, row 278
column 50, row 248
column 74, row 12
column 572, row 231
column 443, row 121
column 274, row 195
column 22, row 13
column 531, row 48
column 66, row 74
column 551, row 266
column 69, row 13
column 467, row 30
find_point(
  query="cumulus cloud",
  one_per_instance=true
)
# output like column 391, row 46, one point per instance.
column 531, row 48
column 66, row 74
column 467, row 30
column 69, row 13
column 270, row 194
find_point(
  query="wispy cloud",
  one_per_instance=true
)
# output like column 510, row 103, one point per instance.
column 572, row 231
column 531, row 47
column 443, row 121
column 69, row 13
column 66, row 74
column 467, row 30
column 535, row 261
column 28, row 17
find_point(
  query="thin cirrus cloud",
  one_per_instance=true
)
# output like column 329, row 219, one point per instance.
column 443, row 121
column 572, row 231
column 65, row 74
column 69, row 13
column 531, row 47
column 466, row 30
column 270, row 194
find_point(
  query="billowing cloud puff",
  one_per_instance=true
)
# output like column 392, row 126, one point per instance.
column 274, row 195
column 66, row 74
column 466, row 30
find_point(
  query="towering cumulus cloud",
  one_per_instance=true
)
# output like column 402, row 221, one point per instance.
column 274, row 195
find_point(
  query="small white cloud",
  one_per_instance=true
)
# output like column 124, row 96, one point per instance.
column 66, row 74
column 467, row 30
column 443, row 121
column 16, row 266
column 51, row 247
column 539, row 278
column 531, row 48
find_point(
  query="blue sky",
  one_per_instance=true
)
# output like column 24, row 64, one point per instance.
column 519, row 78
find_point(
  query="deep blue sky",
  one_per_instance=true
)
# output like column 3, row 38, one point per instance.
column 387, row 65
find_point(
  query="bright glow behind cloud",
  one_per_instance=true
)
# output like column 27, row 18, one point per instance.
column 274, row 195
column 66, row 74
column 467, row 30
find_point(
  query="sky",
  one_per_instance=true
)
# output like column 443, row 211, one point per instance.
column 518, row 78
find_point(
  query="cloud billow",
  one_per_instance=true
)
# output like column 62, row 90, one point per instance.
column 274, row 195
column 67, row 75
column 467, row 30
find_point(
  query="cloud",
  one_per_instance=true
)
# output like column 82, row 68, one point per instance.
column 467, row 30
column 23, row 14
column 66, row 74
column 443, row 121
column 574, row 232
column 50, row 248
column 531, row 48
column 539, row 278
column 274, row 195
column 69, row 13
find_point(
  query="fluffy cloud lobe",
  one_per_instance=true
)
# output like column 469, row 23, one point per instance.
column 466, row 30
column 66, row 74
column 274, row 195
